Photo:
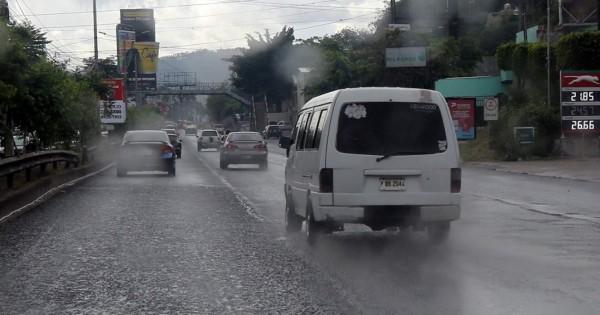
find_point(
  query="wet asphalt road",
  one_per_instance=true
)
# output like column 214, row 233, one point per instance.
column 212, row 241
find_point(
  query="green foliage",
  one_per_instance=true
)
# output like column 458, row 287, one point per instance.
column 519, row 59
column 145, row 117
column 41, row 97
column 220, row 107
column 543, row 118
column 578, row 51
column 264, row 68
column 504, row 56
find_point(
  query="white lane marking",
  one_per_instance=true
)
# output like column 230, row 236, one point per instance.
column 541, row 208
column 51, row 192
column 243, row 200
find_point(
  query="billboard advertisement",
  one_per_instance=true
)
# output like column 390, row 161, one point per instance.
column 580, row 101
column 113, row 109
column 141, row 21
column 404, row 57
column 462, row 111
column 141, row 60
column 125, row 41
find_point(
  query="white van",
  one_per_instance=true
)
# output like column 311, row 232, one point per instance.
column 383, row 157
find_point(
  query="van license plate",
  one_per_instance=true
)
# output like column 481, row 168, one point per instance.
column 391, row 184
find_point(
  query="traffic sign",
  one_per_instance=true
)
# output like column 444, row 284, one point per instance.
column 490, row 109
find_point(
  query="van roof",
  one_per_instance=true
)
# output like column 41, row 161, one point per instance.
column 331, row 96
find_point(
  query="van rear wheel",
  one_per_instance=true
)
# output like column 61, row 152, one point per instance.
column 314, row 230
column 438, row 232
column 293, row 222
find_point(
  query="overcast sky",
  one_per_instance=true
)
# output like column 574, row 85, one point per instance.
column 188, row 25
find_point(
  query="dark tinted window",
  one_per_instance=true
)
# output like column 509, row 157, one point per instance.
column 145, row 136
column 319, row 132
column 301, row 130
column 386, row 128
column 312, row 129
column 210, row 133
column 247, row 136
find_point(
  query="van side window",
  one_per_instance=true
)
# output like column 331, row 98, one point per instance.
column 315, row 129
column 302, row 130
column 323, row 115
column 311, row 130
column 299, row 129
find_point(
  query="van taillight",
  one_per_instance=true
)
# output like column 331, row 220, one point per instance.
column 326, row 180
column 455, row 180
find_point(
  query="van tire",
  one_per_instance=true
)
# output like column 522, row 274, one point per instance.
column 263, row 165
column 314, row 230
column 293, row 222
column 438, row 232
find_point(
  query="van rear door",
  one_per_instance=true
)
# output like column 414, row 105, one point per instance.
column 392, row 153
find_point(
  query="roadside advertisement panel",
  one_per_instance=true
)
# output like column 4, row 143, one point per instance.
column 142, row 64
column 141, row 21
column 580, row 101
column 113, row 110
column 462, row 111
column 125, row 41
column 404, row 57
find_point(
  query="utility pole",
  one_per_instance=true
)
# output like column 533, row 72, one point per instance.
column 95, row 39
column 548, row 45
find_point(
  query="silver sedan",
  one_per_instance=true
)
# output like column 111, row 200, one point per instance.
column 244, row 147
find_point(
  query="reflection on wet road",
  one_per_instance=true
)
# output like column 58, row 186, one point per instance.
column 212, row 241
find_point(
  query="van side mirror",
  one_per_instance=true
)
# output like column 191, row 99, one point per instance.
column 285, row 142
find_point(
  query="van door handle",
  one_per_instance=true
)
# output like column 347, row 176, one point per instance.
column 307, row 176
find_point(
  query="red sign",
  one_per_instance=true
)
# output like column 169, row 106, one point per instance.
column 118, row 92
column 579, row 79
column 462, row 111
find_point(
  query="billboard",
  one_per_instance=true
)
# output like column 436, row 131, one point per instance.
column 462, row 111
column 580, row 101
column 113, row 110
column 125, row 41
column 141, row 60
column 141, row 21
column 405, row 57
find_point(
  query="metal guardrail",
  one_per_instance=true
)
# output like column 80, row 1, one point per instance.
column 13, row 165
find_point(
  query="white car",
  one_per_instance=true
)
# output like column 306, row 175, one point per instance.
column 383, row 157
column 209, row 139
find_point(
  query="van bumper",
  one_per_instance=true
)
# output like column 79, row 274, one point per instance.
column 357, row 214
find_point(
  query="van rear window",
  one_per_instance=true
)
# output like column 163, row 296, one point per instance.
column 380, row 128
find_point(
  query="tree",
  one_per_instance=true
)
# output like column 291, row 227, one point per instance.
column 222, row 108
column 265, row 67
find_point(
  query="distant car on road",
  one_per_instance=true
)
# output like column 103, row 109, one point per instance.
column 271, row 131
column 209, row 138
column 146, row 150
column 191, row 130
column 244, row 147
column 175, row 141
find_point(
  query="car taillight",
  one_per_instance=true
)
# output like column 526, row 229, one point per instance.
column 230, row 146
column 261, row 146
column 167, row 149
column 455, row 180
column 326, row 180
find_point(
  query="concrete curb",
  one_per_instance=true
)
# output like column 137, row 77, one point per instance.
column 30, row 196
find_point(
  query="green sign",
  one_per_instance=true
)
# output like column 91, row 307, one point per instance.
column 524, row 135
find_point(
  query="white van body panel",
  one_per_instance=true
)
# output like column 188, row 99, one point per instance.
column 357, row 177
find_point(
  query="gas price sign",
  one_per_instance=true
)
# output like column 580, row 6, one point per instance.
column 580, row 101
